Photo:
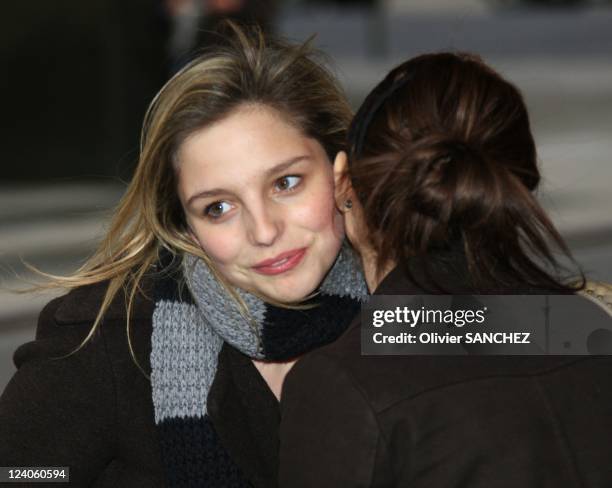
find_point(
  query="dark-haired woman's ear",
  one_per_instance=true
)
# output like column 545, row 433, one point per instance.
column 343, row 190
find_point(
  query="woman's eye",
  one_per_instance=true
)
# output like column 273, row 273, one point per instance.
column 217, row 209
column 287, row 182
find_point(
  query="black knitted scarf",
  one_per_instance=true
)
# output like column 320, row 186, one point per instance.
column 191, row 324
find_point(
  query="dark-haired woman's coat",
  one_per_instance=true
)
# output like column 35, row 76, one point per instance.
column 444, row 421
column 93, row 411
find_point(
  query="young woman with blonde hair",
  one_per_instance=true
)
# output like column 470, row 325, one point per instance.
column 224, row 261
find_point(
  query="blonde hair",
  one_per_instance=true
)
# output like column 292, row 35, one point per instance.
column 248, row 69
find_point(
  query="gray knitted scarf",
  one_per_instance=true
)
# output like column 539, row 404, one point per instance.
column 190, row 326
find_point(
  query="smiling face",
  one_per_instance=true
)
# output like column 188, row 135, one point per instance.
column 258, row 196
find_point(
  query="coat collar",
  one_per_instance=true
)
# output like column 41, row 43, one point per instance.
column 427, row 274
column 82, row 304
column 246, row 416
column 443, row 272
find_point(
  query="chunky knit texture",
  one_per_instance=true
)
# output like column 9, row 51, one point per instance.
column 190, row 325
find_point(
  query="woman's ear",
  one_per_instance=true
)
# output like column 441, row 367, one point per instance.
column 342, row 182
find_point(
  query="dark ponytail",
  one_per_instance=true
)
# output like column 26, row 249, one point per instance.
column 442, row 153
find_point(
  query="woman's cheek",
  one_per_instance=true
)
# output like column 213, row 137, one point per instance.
column 219, row 244
column 318, row 211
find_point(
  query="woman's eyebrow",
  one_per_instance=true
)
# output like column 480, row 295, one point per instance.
column 282, row 166
column 204, row 194
column 285, row 165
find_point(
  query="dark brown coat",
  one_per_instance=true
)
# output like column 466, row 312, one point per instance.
column 442, row 421
column 93, row 411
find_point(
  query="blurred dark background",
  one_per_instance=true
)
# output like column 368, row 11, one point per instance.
column 77, row 78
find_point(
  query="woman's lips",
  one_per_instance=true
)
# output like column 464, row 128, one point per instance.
column 281, row 263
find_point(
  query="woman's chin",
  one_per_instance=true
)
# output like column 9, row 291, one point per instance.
column 289, row 291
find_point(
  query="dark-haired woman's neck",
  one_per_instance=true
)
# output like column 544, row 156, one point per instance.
column 373, row 273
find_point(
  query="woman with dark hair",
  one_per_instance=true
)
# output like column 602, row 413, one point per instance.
column 437, row 194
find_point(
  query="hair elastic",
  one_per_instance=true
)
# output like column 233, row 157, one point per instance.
column 396, row 79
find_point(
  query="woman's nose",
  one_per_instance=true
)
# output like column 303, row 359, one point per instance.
column 264, row 227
